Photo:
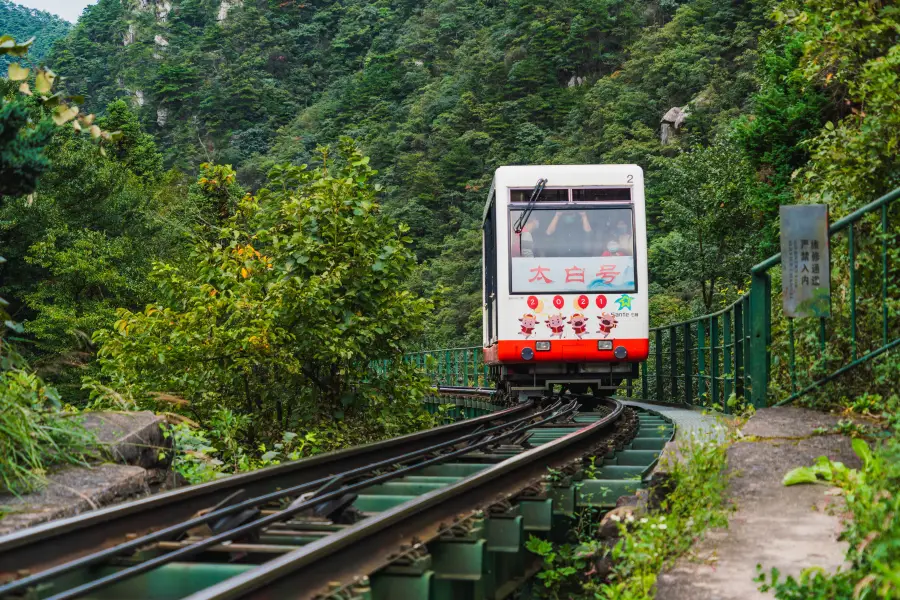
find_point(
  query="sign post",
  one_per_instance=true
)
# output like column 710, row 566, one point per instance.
column 805, row 260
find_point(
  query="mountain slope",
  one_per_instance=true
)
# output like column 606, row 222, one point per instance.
column 23, row 23
column 438, row 92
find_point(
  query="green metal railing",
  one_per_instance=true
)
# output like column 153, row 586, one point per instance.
column 702, row 361
column 452, row 367
column 454, row 408
column 744, row 352
column 456, row 367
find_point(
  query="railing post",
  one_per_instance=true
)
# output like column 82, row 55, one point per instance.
column 673, row 363
column 659, row 367
column 701, row 361
column 760, row 333
column 688, row 364
column 727, row 374
column 645, row 394
column 739, row 349
column 714, row 360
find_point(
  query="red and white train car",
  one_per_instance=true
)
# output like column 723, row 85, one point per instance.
column 565, row 276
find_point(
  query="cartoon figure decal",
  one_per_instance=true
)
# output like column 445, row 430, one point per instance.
column 557, row 325
column 608, row 322
column 528, row 323
column 579, row 324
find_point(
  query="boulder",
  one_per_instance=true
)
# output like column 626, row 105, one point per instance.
column 135, row 438
column 609, row 524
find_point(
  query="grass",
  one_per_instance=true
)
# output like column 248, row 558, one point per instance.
column 34, row 432
column 646, row 544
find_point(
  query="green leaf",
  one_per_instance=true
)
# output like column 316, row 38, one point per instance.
column 62, row 114
column 21, row 50
column 800, row 475
column 17, row 72
column 43, row 82
column 862, row 450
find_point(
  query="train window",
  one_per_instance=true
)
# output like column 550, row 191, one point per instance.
column 547, row 195
column 602, row 195
column 573, row 249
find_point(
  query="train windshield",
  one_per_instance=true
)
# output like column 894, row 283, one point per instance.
column 573, row 249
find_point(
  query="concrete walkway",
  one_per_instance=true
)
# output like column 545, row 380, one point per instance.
column 790, row 528
column 687, row 421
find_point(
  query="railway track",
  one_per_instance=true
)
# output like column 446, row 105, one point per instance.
column 440, row 514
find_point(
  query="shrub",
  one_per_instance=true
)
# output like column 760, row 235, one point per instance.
column 278, row 317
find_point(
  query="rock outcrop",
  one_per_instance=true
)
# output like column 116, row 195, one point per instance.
column 226, row 6
column 672, row 122
column 128, row 38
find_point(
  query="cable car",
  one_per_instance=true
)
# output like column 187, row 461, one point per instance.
column 564, row 259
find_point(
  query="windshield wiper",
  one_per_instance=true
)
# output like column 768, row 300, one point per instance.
column 529, row 208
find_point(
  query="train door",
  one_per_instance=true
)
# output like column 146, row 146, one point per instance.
column 489, row 261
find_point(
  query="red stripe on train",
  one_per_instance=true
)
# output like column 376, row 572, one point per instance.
column 572, row 351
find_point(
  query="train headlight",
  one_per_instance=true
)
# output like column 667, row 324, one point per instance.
column 621, row 353
column 542, row 346
column 527, row 353
column 604, row 345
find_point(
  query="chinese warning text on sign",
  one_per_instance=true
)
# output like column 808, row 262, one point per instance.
column 805, row 260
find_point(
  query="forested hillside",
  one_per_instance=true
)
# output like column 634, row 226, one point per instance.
column 441, row 92
column 242, row 213
column 732, row 108
column 24, row 23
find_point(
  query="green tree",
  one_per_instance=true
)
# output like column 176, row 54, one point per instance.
column 32, row 433
column 23, row 23
column 712, row 231
column 281, row 314
column 134, row 148
column 850, row 52
column 82, row 243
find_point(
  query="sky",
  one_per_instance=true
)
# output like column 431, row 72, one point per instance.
column 69, row 10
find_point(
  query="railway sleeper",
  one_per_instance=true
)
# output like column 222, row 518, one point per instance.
column 477, row 556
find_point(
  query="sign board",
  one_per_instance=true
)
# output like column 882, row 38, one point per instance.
column 805, row 260
column 602, row 274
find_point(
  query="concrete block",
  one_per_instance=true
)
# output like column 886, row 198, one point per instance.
column 72, row 491
column 134, row 438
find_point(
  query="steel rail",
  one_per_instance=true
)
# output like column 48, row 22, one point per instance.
column 367, row 546
column 134, row 544
column 466, row 391
column 284, row 514
column 44, row 547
